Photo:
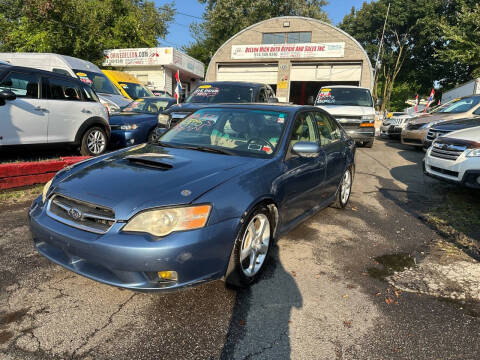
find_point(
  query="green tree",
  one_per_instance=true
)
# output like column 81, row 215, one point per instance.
column 463, row 38
column 81, row 28
column 225, row 18
column 412, row 38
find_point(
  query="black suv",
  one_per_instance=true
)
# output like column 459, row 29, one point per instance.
column 218, row 92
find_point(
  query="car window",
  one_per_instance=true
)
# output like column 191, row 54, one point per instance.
column 135, row 91
column 59, row 89
column 327, row 128
column 303, row 129
column 461, row 105
column 89, row 94
column 22, row 84
column 245, row 132
column 222, row 93
column 61, row 71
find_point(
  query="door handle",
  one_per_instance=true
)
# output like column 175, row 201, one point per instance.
column 86, row 111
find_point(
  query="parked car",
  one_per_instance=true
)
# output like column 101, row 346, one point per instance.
column 353, row 107
column 205, row 202
column 137, row 121
column 42, row 107
column 456, row 158
column 446, row 127
column 84, row 70
column 393, row 125
column 128, row 84
column 218, row 92
column 416, row 130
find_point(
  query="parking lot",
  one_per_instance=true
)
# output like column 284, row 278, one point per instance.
column 330, row 291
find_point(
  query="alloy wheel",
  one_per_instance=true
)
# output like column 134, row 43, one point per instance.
column 96, row 142
column 346, row 187
column 254, row 247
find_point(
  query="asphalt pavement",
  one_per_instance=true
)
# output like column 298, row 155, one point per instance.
column 318, row 298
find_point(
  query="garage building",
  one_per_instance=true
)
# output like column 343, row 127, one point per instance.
column 156, row 67
column 295, row 55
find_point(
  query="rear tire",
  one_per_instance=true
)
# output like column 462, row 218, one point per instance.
column 251, row 249
column 94, row 142
column 345, row 189
column 368, row 144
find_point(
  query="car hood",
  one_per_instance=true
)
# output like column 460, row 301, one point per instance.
column 338, row 110
column 119, row 100
column 149, row 176
column 470, row 134
column 426, row 118
column 454, row 125
column 130, row 117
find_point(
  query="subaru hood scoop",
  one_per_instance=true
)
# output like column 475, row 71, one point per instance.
column 150, row 176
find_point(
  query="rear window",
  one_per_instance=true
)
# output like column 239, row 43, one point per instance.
column 344, row 96
column 216, row 93
column 461, row 105
column 22, row 84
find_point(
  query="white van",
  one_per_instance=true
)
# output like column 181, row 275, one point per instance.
column 353, row 108
column 87, row 72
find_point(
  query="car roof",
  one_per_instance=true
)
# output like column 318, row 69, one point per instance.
column 235, row 83
column 283, row 107
column 166, row 98
column 38, row 71
column 344, row 87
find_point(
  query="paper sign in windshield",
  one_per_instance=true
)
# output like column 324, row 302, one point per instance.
column 325, row 97
column 206, row 92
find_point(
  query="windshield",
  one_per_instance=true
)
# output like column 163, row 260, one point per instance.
column 98, row 81
column 239, row 131
column 215, row 94
column 344, row 96
column 135, row 91
column 150, row 106
column 460, row 105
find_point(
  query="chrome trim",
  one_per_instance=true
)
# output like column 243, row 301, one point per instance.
column 84, row 215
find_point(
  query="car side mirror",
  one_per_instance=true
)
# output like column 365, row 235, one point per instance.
column 272, row 100
column 379, row 102
column 310, row 100
column 7, row 95
column 306, row 149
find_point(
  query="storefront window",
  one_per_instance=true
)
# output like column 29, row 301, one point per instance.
column 299, row 37
column 273, row 38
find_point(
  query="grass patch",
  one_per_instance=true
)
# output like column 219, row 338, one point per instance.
column 18, row 195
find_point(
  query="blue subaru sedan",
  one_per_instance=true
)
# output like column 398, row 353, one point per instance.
column 205, row 201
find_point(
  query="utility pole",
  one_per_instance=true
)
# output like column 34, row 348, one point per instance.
column 377, row 60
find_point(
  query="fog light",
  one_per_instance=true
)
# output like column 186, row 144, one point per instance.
column 132, row 141
column 168, row 275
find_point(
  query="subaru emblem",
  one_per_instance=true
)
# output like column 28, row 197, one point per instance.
column 75, row 214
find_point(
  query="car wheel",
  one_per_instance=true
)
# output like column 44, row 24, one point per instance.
column 368, row 144
column 94, row 142
column 251, row 248
column 344, row 190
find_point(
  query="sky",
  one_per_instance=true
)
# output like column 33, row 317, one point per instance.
column 188, row 10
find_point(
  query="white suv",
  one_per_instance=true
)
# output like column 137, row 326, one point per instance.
column 456, row 158
column 42, row 107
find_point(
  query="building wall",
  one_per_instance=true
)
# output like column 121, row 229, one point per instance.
column 321, row 33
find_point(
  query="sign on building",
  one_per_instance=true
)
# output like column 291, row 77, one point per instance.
column 289, row 51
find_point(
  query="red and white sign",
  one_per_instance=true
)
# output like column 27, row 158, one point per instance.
column 289, row 51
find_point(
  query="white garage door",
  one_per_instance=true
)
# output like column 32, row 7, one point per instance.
column 262, row 73
column 326, row 72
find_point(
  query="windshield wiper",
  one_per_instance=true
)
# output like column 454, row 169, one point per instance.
column 208, row 149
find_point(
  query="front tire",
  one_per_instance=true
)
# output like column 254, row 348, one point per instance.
column 251, row 249
column 368, row 144
column 94, row 142
column 345, row 189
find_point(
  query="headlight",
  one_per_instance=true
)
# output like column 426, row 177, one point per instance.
column 163, row 119
column 129, row 127
column 162, row 222
column 368, row 117
column 45, row 190
column 111, row 107
column 473, row 153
